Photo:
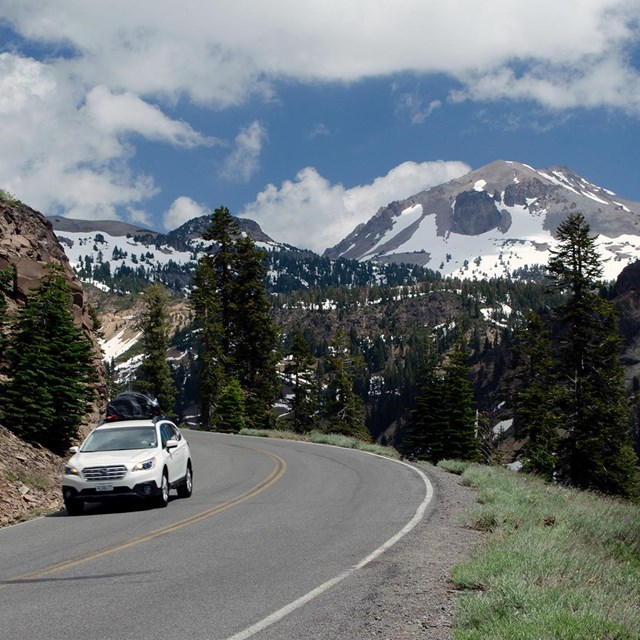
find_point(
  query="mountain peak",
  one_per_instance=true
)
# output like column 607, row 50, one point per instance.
column 500, row 217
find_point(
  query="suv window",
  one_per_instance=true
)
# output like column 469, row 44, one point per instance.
column 169, row 431
column 165, row 434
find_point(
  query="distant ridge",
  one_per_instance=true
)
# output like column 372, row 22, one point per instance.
column 114, row 228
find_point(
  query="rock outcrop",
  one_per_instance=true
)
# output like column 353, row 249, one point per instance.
column 28, row 244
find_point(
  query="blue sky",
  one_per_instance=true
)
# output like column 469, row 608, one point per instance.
column 306, row 116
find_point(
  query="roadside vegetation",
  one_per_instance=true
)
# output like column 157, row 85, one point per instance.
column 557, row 562
column 319, row 437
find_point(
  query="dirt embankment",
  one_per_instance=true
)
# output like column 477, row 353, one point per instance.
column 29, row 479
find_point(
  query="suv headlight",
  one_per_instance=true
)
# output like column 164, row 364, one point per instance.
column 144, row 466
column 70, row 470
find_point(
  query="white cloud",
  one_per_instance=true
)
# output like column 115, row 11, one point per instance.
column 244, row 159
column 127, row 113
column 222, row 53
column 182, row 210
column 414, row 106
column 66, row 151
column 113, row 70
column 310, row 212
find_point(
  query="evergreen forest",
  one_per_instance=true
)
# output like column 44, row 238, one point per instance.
column 394, row 354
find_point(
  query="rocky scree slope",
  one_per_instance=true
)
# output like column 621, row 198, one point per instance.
column 29, row 479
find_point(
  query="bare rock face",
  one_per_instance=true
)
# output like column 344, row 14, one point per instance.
column 29, row 479
column 27, row 242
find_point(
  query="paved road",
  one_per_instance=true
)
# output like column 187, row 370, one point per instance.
column 270, row 530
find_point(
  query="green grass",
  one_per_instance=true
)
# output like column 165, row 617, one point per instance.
column 454, row 466
column 9, row 198
column 323, row 438
column 558, row 563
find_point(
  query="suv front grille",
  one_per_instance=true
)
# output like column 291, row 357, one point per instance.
column 104, row 474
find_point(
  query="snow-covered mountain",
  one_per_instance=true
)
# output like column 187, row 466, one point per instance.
column 494, row 221
column 124, row 245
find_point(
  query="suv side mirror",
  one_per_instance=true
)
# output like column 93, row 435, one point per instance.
column 73, row 449
column 171, row 444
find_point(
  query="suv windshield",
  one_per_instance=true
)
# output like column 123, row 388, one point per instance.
column 120, row 439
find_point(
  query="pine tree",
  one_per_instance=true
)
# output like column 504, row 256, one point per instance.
column 154, row 374
column 423, row 434
column 231, row 408
column 51, row 368
column 538, row 400
column 301, row 368
column 224, row 231
column 208, row 323
column 460, row 442
column 256, row 334
column 597, row 452
column 443, row 423
column 233, row 311
column 344, row 409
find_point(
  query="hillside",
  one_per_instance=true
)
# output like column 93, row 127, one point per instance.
column 29, row 479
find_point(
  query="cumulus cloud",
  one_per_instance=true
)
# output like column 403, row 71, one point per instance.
column 52, row 157
column 245, row 157
column 111, row 70
column 222, row 53
column 127, row 113
column 182, row 210
column 310, row 212
column 66, row 150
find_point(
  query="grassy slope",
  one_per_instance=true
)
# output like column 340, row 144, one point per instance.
column 559, row 563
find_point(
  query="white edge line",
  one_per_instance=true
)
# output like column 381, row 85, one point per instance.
column 276, row 616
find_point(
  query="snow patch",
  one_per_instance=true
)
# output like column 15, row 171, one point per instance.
column 117, row 345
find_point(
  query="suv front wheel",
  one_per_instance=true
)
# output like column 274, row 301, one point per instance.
column 162, row 499
column 185, row 488
column 74, row 506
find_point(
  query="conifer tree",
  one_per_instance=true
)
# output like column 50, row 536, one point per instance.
column 597, row 452
column 51, row 368
column 240, row 339
column 538, row 400
column 256, row 334
column 344, row 409
column 461, row 441
column 301, row 369
column 154, row 374
column 443, row 422
column 224, row 231
column 423, row 436
column 208, row 323
column 231, row 408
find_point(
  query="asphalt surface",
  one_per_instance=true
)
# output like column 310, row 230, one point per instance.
column 273, row 531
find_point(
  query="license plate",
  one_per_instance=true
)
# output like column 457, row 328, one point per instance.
column 104, row 487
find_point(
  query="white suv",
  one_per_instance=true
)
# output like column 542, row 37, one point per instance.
column 138, row 458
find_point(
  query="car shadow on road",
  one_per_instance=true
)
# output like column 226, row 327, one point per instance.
column 122, row 505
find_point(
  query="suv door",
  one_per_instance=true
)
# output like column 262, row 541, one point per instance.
column 176, row 458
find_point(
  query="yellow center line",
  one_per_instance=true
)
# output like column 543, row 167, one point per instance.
column 274, row 476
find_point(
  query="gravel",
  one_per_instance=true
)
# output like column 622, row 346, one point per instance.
column 409, row 593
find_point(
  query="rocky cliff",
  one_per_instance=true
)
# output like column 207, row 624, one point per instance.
column 29, row 476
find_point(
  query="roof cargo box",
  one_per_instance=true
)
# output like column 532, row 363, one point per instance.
column 131, row 405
